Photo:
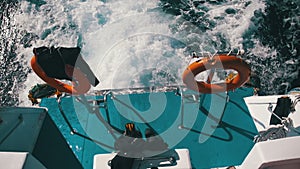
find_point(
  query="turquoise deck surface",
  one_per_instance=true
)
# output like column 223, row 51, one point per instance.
column 213, row 138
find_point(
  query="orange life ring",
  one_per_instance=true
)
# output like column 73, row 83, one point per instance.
column 81, row 85
column 220, row 61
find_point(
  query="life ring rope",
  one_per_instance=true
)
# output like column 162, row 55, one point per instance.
column 218, row 61
column 80, row 87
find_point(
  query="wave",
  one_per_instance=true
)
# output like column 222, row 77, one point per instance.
column 148, row 43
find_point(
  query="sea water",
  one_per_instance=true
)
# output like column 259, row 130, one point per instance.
column 144, row 43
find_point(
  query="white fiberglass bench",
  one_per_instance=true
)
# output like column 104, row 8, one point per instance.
column 19, row 160
column 279, row 153
column 274, row 154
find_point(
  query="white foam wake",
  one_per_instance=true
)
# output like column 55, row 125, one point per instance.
column 126, row 43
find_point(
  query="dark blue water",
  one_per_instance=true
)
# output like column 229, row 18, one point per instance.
column 271, row 40
column 13, row 70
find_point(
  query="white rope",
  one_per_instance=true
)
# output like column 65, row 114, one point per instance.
column 279, row 130
column 272, row 133
column 276, row 131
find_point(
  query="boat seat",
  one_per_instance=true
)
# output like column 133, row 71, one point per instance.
column 177, row 159
column 258, row 108
column 274, row 154
column 281, row 153
column 19, row 160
